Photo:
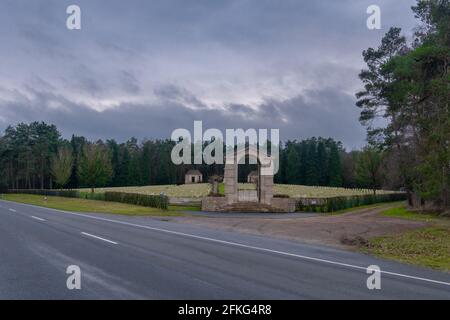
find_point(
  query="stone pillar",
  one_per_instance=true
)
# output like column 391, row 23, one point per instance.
column 230, row 181
column 215, row 187
column 266, row 189
column 266, row 177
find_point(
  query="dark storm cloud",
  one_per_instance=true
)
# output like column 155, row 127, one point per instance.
column 129, row 82
column 143, row 68
column 296, row 118
column 176, row 94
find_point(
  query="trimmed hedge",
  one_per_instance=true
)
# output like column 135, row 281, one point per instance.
column 340, row 203
column 154, row 201
column 92, row 196
column 283, row 196
column 146, row 200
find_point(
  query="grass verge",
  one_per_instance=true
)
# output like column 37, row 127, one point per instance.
column 83, row 205
column 184, row 208
column 427, row 247
column 402, row 212
column 368, row 206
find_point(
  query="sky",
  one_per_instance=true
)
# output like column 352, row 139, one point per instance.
column 143, row 68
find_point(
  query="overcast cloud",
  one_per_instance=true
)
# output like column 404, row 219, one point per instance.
column 144, row 68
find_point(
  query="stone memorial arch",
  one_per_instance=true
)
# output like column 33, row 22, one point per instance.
column 264, row 201
column 264, row 185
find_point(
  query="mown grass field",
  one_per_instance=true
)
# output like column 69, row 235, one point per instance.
column 94, row 206
column 203, row 189
column 179, row 191
column 427, row 247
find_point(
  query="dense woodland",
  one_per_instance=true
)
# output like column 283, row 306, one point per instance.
column 34, row 156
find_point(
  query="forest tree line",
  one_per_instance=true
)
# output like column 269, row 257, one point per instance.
column 408, row 85
column 35, row 156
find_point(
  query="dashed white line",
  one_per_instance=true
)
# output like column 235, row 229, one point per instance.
column 37, row 218
column 12, row 210
column 255, row 248
column 99, row 238
column 236, row 244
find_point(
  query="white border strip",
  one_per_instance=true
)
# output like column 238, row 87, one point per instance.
column 37, row 218
column 99, row 238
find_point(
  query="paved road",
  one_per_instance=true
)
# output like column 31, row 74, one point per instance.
column 147, row 258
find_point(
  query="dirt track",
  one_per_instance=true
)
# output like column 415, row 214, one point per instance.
column 339, row 230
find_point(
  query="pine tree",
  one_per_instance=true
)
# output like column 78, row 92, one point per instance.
column 115, row 161
column 123, row 168
column 312, row 175
column 322, row 165
column 293, row 166
column 335, row 167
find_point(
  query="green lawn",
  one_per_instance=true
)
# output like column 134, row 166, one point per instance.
column 427, row 247
column 199, row 190
column 402, row 212
column 221, row 188
column 83, row 205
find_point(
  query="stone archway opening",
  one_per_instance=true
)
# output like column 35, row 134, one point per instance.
column 249, row 170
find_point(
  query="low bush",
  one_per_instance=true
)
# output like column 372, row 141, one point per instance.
column 284, row 196
column 212, row 194
column 333, row 204
column 154, row 201
column 146, row 200
column 93, row 196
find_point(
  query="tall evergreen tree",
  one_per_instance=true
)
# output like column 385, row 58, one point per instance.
column 293, row 166
column 322, row 163
column 335, row 170
column 409, row 86
column 124, row 166
column 115, row 161
column 312, row 174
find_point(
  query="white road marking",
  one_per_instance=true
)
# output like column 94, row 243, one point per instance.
column 239, row 245
column 99, row 238
column 12, row 210
column 37, row 218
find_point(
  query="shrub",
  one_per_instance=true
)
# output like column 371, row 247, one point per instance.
column 284, row 196
column 155, row 201
column 212, row 194
column 92, row 196
column 339, row 203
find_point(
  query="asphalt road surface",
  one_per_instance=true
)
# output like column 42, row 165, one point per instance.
column 149, row 258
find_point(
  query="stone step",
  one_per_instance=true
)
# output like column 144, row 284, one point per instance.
column 250, row 207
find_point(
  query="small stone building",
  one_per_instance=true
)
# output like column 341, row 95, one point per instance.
column 253, row 177
column 193, row 176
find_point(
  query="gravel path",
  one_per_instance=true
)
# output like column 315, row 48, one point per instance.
column 343, row 230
